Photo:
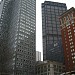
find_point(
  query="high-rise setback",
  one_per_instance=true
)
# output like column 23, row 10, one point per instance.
column 17, row 37
column 51, row 24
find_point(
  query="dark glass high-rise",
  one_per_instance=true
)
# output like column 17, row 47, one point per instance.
column 50, row 24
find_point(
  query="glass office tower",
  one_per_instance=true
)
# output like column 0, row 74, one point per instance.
column 56, row 52
column 17, row 38
column 51, row 24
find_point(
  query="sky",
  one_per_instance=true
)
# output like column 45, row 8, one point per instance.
column 69, row 3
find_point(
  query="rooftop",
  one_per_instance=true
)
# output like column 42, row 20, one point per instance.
column 68, row 11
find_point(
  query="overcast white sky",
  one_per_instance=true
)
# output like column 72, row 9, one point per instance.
column 69, row 3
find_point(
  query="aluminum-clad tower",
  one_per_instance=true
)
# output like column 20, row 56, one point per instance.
column 17, row 38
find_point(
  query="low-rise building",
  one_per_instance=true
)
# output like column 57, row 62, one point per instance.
column 68, row 73
column 49, row 68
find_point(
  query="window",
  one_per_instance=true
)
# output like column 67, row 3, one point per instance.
column 66, row 45
column 72, row 54
column 48, row 6
column 72, row 46
column 70, row 43
column 49, row 66
column 72, row 21
column 69, row 27
column 73, row 27
column 73, row 24
column 13, row 58
column 73, row 61
column 69, row 30
column 66, row 48
column 73, row 49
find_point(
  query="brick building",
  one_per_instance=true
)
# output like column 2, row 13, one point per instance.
column 67, row 21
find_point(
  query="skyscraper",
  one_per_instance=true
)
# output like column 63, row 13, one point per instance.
column 68, row 38
column 1, row 6
column 55, row 52
column 38, row 56
column 17, row 38
column 51, row 24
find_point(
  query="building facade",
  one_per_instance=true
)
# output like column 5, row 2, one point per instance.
column 1, row 7
column 49, row 68
column 67, row 20
column 38, row 56
column 17, row 38
column 55, row 52
column 51, row 24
